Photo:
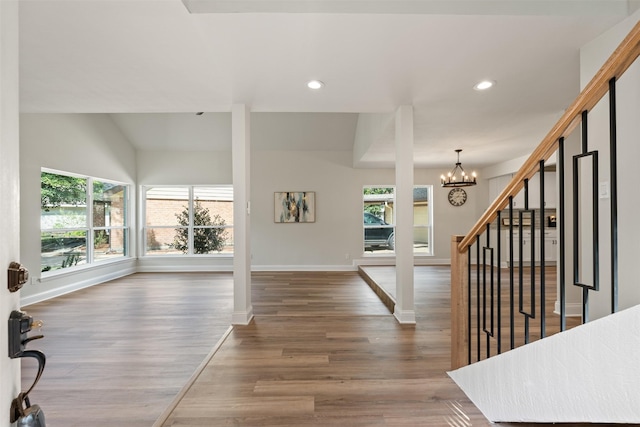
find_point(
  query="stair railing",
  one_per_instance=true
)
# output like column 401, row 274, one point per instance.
column 478, row 319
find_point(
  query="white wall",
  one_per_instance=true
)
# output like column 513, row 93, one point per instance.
column 91, row 144
column 183, row 167
column 592, row 56
column 334, row 241
column 87, row 144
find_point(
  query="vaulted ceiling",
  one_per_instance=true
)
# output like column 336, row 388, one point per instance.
column 154, row 63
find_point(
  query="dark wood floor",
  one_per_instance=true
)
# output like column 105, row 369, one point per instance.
column 118, row 353
column 322, row 350
column 382, row 280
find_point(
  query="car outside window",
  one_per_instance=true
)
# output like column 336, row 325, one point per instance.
column 379, row 220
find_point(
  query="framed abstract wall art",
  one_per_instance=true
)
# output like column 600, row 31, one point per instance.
column 294, row 206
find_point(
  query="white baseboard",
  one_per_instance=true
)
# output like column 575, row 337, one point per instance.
column 175, row 268
column 171, row 268
column 406, row 317
column 352, row 267
column 242, row 317
column 572, row 309
column 56, row 292
column 431, row 261
column 392, row 261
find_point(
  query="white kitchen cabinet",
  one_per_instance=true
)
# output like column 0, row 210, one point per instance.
column 550, row 246
column 526, row 247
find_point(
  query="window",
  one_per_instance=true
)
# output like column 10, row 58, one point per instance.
column 188, row 220
column 83, row 220
column 422, row 220
column 379, row 220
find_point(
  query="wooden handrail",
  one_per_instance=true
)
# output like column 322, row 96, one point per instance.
column 624, row 55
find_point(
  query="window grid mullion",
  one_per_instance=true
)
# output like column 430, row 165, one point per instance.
column 90, row 236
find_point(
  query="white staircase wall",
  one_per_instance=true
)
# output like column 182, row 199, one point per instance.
column 589, row 374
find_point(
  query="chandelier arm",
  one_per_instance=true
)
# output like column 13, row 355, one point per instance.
column 452, row 180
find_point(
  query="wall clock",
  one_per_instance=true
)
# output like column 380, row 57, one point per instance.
column 457, row 197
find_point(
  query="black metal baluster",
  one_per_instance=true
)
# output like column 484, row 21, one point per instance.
column 487, row 250
column 613, row 166
column 576, row 237
column 561, row 236
column 478, row 293
column 521, row 262
column 499, row 281
column 576, row 244
column 542, row 255
column 512, row 318
column 595, row 286
column 469, row 302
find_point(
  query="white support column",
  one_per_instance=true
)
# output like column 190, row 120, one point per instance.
column 241, row 152
column 404, row 309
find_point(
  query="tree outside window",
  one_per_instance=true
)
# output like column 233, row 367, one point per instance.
column 188, row 220
column 209, row 234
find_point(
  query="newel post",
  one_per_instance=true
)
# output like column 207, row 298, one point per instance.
column 459, row 305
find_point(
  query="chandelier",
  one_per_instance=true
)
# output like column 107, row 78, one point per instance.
column 458, row 177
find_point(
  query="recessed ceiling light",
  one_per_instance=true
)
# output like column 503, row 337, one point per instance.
column 315, row 84
column 484, row 85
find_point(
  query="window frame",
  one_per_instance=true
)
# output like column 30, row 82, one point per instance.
column 387, row 252
column 190, row 201
column 429, row 227
column 89, row 228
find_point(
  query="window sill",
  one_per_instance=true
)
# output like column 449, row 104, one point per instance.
column 57, row 274
column 226, row 255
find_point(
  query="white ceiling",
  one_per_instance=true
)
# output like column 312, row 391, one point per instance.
column 155, row 56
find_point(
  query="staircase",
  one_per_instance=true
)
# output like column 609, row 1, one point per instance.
column 503, row 353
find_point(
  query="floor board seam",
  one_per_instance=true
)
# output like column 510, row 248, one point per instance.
column 196, row 374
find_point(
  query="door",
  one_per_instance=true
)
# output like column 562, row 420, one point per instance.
column 9, row 196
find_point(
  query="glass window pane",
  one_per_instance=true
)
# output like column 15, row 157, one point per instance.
column 421, row 239
column 63, row 250
column 109, row 244
column 209, row 239
column 228, row 243
column 422, row 236
column 109, row 207
column 421, row 206
column 218, row 200
column 162, row 241
column 63, row 217
column 63, row 201
column 379, row 219
column 172, row 229
column 167, row 206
